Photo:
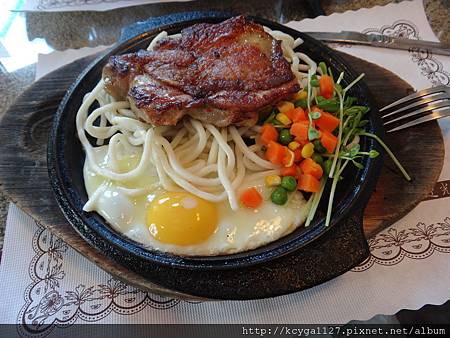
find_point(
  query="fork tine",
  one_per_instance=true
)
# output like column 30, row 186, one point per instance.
column 428, row 107
column 419, row 94
column 417, row 104
column 430, row 117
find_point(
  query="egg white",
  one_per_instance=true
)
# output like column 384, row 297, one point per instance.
column 236, row 231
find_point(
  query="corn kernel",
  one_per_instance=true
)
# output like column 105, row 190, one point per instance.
column 296, row 96
column 293, row 145
column 285, row 106
column 301, row 95
column 281, row 117
column 272, row 180
column 307, row 150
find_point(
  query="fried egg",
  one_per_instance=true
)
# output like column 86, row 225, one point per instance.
column 182, row 223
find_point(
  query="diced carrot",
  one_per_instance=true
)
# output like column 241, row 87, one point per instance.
column 302, row 142
column 275, row 152
column 297, row 114
column 327, row 121
column 300, row 130
column 308, row 166
column 268, row 133
column 289, row 171
column 297, row 155
column 329, row 141
column 315, row 108
column 326, row 86
column 251, row 198
column 308, row 183
column 288, row 158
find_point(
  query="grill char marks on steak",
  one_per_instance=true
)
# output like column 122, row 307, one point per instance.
column 218, row 73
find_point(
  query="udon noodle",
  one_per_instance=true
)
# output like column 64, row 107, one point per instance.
column 197, row 157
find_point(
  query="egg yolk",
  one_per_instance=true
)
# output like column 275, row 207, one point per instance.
column 181, row 218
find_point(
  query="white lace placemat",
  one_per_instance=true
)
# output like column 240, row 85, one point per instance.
column 46, row 285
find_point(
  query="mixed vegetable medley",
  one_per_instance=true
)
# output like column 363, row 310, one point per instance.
column 313, row 137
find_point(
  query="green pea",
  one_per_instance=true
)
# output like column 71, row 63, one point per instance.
column 317, row 158
column 327, row 166
column 279, row 196
column 285, row 137
column 319, row 147
column 314, row 82
column 289, row 183
column 303, row 103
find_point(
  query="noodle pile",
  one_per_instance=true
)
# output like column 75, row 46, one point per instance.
column 197, row 157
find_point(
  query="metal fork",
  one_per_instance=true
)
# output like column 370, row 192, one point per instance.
column 420, row 107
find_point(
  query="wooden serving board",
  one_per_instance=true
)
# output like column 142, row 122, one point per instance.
column 394, row 197
column 23, row 170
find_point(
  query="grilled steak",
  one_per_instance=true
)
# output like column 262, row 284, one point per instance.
column 219, row 73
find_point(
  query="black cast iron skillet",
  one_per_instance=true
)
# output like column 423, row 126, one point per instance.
column 230, row 276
